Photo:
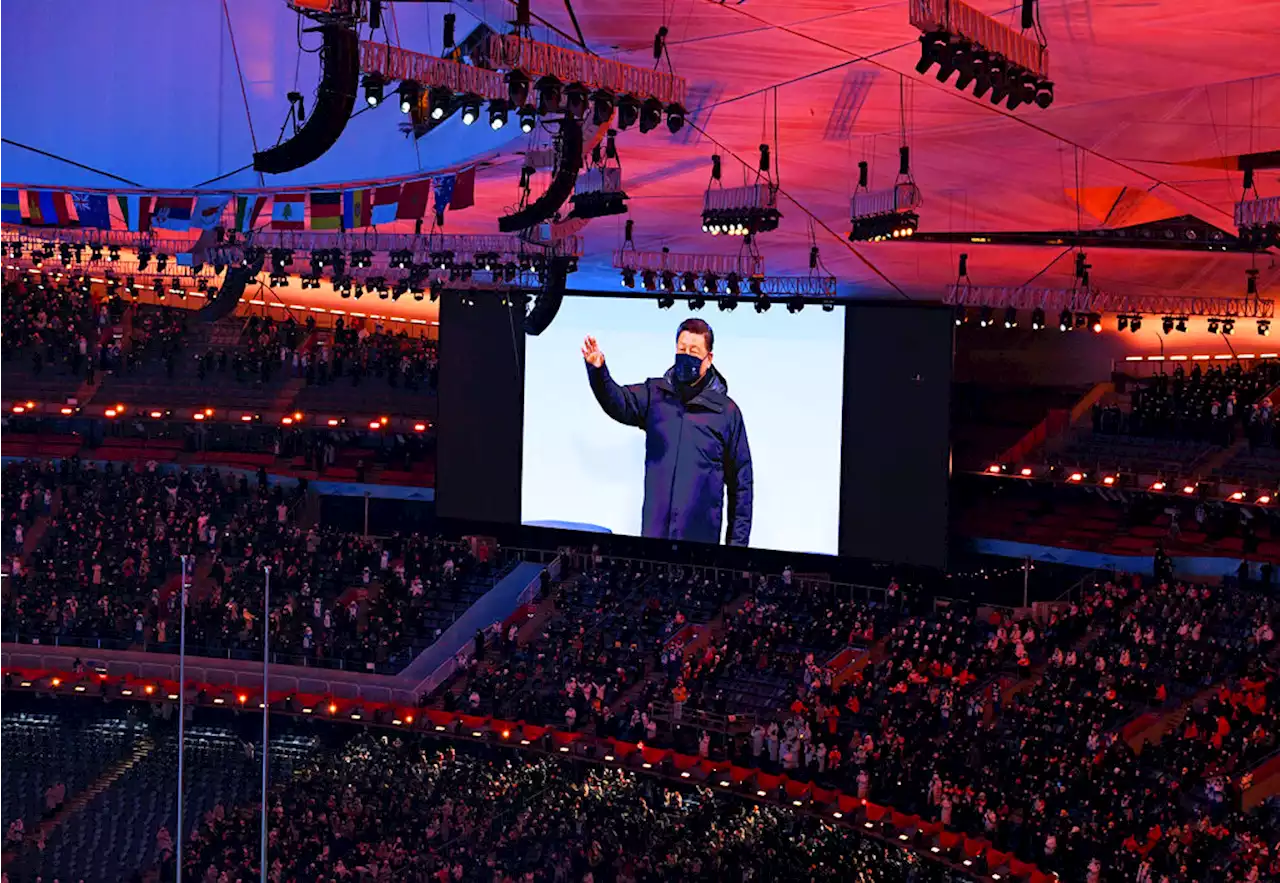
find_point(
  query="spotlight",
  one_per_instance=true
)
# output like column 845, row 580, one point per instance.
column 795, row 304
column 1065, row 322
column 1264, row 327
column 668, row 280
column 550, row 95
column 408, row 91
column 711, row 283
column 144, row 257
column 697, row 303
column 650, row 115
column 628, row 112
column 733, row 285
column 675, row 118
column 497, row 115
column 985, row 318
column 727, row 304
column 1228, row 326
column 628, row 278
column 1135, row 322
column 602, row 104
column 961, row 316
column 575, row 101
column 1044, row 94
column 1010, row 318
column 666, row 302
column 1122, row 323
column 1182, row 323
column 689, row 282
column 1167, row 324
column 470, row 109
column 373, row 89
column 517, row 88
column 650, row 280
column 763, row 304
column 528, row 119
column 1095, row 323
column 1213, row 326
column 1037, row 319
column 440, row 99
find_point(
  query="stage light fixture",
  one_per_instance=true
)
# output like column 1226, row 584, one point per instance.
column 697, row 303
column 602, row 104
column 668, row 280
column 762, row 304
column 470, row 109
column 1010, row 317
column 440, row 100
column 517, row 88
column 985, row 319
column 628, row 277
column 497, row 115
column 528, row 119
column 710, row 283
column 1037, row 319
column 575, row 100
column 650, row 115
column 373, row 86
column 689, row 282
column 550, row 95
column 1213, row 326
column 733, row 284
column 144, row 257
column 1182, row 324
column 1065, row 321
column 628, row 112
column 1228, row 326
column 1264, row 327
column 1122, row 323
column 408, row 92
column 666, row 302
column 650, row 280
column 1166, row 324
column 727, row 304
column 1095, row 323
column 960, row 316
column 1135, row 322
column 675, row 118
column 795, row 304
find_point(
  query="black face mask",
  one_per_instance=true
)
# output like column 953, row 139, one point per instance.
column 687, row 368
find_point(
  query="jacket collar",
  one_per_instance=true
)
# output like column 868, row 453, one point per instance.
column 714, row 396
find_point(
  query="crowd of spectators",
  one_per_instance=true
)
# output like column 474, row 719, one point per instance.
column 106, row 569
column 362, row 353
column 1212, row 404
column 1010, row 730
column 382, row 811
column 53, row 324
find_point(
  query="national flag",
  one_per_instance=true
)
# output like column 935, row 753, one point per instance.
column 357, row 207
column 288, row 211
column 135, row 212
column 385, row 202
column 414, row 197
column 41, row 210
column 247, row 210
column 444, row 192
column 208, row 211
column 92, row 209
column 65, row 210
column 172, row 212
column 10, row 206
column 464, row 190
column 326, row 210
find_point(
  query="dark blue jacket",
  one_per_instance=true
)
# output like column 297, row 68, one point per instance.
column 693, row 451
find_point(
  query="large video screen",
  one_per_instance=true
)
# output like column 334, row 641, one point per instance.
column 710, row 426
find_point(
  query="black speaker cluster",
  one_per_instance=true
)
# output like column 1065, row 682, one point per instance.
column 1261, row 236
column 990, row 73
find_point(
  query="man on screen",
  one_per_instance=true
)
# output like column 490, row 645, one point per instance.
column 695, row 441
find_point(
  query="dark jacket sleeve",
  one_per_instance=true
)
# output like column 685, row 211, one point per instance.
column 738, row 480
column 626, row 404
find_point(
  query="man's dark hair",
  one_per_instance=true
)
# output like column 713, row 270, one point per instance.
column 698, row 326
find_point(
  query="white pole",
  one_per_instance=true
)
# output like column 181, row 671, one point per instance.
column 266, row 664
column 182, row 693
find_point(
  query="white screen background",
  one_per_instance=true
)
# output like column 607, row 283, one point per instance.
column 785, row 371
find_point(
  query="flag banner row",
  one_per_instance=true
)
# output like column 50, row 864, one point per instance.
column 332, row 209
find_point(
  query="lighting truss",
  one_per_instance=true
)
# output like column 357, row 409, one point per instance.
column 877, row 215
column 745, row 265
column 740, row 211
column 989, row 56
column 1258, row 221
column 1092, row 300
